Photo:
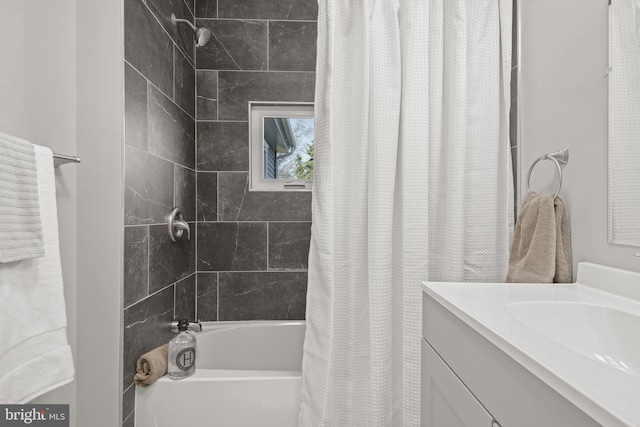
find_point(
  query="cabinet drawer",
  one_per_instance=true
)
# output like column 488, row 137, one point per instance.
column 446, row 401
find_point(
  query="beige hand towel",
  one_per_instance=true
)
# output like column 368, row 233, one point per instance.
column 564, row 271
column 541, row 249
column 151, row 366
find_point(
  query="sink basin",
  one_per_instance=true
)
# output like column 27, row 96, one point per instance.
column 607, row 335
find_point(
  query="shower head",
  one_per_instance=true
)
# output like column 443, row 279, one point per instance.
column 201, row 34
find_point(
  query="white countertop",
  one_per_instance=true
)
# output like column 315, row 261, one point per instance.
column 608, row 395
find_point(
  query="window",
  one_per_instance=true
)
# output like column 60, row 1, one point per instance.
column 281, row 146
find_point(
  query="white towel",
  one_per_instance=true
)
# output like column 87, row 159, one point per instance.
column 35, row 356
column 20, row 212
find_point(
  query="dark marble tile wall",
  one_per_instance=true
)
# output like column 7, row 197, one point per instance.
column 160, row 162
column 252, row 247
column 128, row 403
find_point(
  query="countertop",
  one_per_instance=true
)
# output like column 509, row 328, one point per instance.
column 610, row 396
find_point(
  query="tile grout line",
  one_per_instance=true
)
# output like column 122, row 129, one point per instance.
column 217, row 296
column 155, row 224
column 192, row 11
column 160, row 290
column 175, row 199
column 261, row 71
column 260, row 20
column 161, row 158
column 218, row 213
column 222, row 121
column 293, row 221
column 165, row 30
column 159, row 90
column 132, row 414
column 195, row 310
column 127, row 389
column 148, row 260
column 215, row 171
column 175, row 301
column 195, row 108
column 268, row 45
column 279, row 271
column 133, row 411
column 217, row 95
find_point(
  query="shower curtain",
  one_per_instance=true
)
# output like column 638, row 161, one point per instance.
column 624, row 126
column 412, row 182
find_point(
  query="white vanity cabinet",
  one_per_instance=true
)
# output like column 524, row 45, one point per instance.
column 468, row 381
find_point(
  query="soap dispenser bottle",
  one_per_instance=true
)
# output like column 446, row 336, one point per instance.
column 182, row 353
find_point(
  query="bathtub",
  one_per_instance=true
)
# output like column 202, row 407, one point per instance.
column 247, row 374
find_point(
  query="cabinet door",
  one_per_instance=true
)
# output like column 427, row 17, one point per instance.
column 446, row 401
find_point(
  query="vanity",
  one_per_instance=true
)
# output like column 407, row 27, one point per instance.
column 533, row 354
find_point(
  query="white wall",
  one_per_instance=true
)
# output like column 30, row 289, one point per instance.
column 563, row 104
column 38, row 102
column 61, row 86
column 100, row 133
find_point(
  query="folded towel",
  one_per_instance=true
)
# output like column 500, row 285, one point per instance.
column 151, row 366
column 541, row 249
column 20, row 214
column 564, row 269
column 35, row 356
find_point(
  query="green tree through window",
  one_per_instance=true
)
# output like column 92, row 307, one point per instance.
column 304, row 170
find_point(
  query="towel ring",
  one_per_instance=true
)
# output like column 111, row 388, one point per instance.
column 560, row 157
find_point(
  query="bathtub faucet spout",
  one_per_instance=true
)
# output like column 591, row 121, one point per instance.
column 195, row 326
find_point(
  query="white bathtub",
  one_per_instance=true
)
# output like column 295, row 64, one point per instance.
column 247, row 374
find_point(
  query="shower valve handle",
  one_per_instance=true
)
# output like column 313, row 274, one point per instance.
column 177, row 225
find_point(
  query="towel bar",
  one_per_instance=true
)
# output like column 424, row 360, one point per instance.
column 560, row 157
column 61, row 159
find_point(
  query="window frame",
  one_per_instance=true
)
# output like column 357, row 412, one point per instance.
column 257, row 112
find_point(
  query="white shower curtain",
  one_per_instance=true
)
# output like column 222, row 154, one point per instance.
column 412, row 182
column 624, row 126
